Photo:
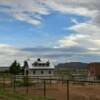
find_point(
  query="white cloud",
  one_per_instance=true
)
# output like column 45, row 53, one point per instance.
column 44, row 7
column 87, row 36
column 71, row 40
column 86, row 28
column 24, row 10
column 68, row 6
column 74, row 21
column 90, row 30
column 24, row 17
column 9, row 53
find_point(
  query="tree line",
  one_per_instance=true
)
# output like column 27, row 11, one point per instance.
column 15, row 68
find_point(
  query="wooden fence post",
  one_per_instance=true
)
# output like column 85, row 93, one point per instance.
column 3, row 82
column 67, row 90
column 27, row 84
column 14, row 83
column 44, row 89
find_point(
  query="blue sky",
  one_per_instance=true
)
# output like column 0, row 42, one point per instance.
column 52, row 28
column 65, row 30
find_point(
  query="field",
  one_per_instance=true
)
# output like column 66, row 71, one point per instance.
column 5, row 95
column 76, row 92
column 52, row 89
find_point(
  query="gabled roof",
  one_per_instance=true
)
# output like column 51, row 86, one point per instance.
column 31, row 64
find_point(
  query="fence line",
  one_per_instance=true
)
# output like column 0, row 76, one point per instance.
column 14, row 82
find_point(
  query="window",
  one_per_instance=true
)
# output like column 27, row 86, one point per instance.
column 47, row 63
column 34, row 72
column 35, row 64
column 49, row 71
column 42, row 72
column 40, row 64
column 43, row 64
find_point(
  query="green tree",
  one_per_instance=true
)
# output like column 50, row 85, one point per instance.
column 15, row 68
column 24, row 66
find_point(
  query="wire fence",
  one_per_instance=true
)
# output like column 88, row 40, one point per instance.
column 56, row 88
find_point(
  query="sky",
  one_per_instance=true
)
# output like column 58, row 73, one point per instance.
column 60, row 30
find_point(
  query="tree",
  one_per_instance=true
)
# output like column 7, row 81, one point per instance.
column 15, row 68
column 24, row 67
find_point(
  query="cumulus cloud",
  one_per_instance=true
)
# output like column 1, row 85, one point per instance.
column 70, row 40
column 87, row 36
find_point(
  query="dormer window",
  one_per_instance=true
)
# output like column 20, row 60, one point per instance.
column 35, row 64
column 43, row 64
column 47, row 63
column 40, row 64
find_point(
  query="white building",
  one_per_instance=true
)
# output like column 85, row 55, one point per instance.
column 39, row 67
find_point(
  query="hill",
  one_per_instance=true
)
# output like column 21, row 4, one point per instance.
column 72, row 65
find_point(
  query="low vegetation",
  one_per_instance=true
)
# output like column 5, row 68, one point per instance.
column 4, row 95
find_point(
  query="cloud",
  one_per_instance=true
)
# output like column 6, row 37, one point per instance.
column 27, row 11
column 67, row 54
column 70, row 40
column 86, row 35
column 27, row 19
column 75, row 21
column 9, row 53
column 23, row 10
column 58, row 55
column 82, row 44
column 69, row 6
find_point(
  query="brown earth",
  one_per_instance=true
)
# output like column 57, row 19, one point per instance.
column 58, row 91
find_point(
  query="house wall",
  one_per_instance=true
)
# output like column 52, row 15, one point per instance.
column 94, row 70
column 39, row 72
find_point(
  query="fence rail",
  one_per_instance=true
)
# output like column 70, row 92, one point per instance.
column 58, row 88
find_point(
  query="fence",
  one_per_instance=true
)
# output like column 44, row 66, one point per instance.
column 52, row 87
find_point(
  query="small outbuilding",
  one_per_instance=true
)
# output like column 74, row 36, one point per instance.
column 94, row 71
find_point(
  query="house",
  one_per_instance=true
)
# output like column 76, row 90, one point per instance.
column 94, row 71
column 39, row 67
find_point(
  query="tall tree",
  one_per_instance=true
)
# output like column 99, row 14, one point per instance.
column 15, row 68
column 24, row 67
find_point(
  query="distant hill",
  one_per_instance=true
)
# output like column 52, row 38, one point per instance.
column 72, row 65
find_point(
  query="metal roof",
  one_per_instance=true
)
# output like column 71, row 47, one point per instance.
column 31, row 64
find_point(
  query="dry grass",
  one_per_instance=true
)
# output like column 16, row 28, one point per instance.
column 59, row 92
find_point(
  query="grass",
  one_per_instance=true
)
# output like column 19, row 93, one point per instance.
column 5, row 95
